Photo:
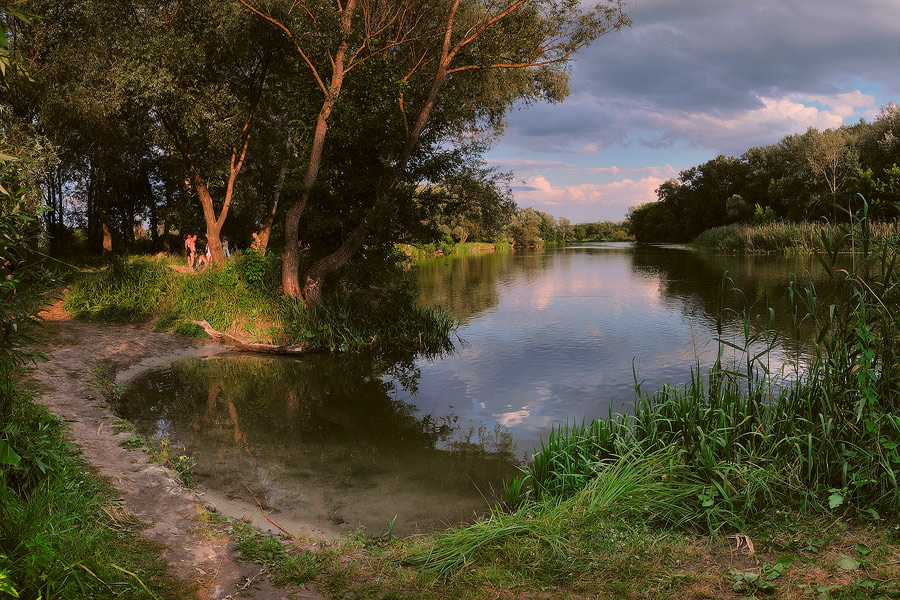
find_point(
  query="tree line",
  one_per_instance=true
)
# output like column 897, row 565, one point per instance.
column 326, row 127
column 801, row 178
column 529, row 227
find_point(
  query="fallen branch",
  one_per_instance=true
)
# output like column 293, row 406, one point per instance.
column 235, row 342
column 267, row 516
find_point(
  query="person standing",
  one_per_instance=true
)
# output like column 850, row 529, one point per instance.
column 191, row 248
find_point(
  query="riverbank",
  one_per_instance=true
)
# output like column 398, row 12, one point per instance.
column 419, row 253
column 85, row 362
column 243, row 298
column 590, row 546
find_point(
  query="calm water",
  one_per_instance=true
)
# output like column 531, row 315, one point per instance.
column 550, row 336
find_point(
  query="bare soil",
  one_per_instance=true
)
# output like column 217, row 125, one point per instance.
column 150, row 492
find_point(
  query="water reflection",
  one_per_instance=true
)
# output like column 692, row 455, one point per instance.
column 321, row 440
column 555, row 335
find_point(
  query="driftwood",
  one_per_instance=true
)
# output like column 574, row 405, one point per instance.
column 235, row 342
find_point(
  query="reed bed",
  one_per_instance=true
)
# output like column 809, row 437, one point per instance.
column 749, row 441
column 786, row 236
column 424, row 252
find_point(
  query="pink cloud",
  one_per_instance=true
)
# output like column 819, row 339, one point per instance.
column 618, row 194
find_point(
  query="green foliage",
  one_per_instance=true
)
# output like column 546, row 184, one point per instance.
column 801, row 178
column 762, row 216
column 253, row 267
column 56, row 536
column 525, row 228
column 137, row 289
column 601, row 231
column 242, row 299
column 784, row 236
column 352, row 324
column 57, row 539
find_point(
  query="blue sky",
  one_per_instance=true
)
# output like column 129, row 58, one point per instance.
column 693, row 79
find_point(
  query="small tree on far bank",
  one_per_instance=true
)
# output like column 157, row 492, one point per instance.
column 524, row 229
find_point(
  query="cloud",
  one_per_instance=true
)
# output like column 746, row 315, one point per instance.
column 608, row 201
column 527, row 163
column 758, row 126
column 722, row 131
column 845, row 105
column 726, row 62
column 666, row 171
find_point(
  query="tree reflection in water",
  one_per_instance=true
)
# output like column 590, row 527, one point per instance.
column 322, row 439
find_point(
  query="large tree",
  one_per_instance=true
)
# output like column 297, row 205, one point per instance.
column 204, row 67
column 453, row 67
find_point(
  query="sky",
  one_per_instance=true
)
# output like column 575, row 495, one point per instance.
column 692, row 79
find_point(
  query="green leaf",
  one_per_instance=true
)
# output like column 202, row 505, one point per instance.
column 6, row 585
column 786, row 560
column 863, row 549
column 847, row 563
column 8, row 455
column 835, row 500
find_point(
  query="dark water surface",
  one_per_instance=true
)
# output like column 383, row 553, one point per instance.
column 550, row 336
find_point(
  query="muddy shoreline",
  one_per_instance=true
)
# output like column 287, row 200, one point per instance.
column 74, row 351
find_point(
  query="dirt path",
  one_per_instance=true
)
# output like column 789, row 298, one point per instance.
column 150, row 492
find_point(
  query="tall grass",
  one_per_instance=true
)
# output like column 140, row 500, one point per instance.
column 62, row 531
column 744, row 441
column 785, row 236
column 423, row 252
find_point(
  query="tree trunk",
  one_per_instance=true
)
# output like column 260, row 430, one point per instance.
column 290, row 276
column 128, row 225
column 290, row 263
column 104, row 224
column 315, row 277
column 92, row 209
column 165, row 233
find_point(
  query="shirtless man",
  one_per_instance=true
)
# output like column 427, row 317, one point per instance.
column 191, row 248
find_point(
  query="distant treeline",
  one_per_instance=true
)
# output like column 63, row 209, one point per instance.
column 529, row 227
column 800, row 178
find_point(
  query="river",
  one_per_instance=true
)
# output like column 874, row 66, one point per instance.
column 333, row 443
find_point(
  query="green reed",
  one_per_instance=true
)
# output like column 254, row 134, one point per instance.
column 786, row 236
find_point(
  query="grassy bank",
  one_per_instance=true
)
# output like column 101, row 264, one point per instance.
column 422, row 252
column 63, row 533
column 243, row 297
column 785, row 236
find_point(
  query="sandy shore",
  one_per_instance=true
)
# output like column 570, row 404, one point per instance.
column 150, row 492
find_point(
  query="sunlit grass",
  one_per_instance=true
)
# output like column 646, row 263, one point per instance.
column 245, row 300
